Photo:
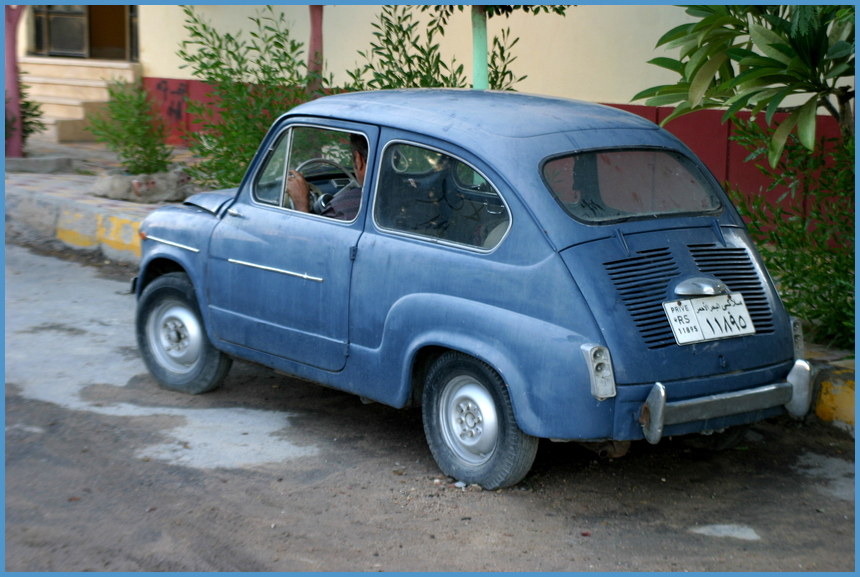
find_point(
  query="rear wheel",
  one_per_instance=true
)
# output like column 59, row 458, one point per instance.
column 172, row 339
column 470, row 426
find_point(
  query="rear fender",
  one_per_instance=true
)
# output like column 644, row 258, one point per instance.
column 540, row 362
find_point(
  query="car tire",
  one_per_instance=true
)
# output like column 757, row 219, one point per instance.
column 172, row 339
column 470, row 426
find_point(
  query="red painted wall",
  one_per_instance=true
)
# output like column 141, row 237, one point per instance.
column 702, row 131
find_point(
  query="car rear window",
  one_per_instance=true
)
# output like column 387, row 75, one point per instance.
column 605, row 186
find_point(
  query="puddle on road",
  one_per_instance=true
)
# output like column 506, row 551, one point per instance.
column 734, row 531
column 66, row 329
column 837, row 474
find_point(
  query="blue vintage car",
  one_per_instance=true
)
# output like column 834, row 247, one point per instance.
column 520, row 267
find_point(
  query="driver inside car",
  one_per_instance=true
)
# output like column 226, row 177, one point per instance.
column 345, row 204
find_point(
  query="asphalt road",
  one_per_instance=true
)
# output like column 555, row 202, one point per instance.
column 107, row 472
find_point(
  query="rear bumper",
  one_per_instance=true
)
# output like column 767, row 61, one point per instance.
column 794, row 394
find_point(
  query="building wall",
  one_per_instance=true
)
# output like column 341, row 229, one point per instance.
column 595, row 53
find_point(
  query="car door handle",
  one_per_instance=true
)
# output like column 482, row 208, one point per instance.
column 234, row 212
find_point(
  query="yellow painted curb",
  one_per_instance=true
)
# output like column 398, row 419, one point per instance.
column 835, row 402
column 119, row 233
column 72, row 229
column 83, row 230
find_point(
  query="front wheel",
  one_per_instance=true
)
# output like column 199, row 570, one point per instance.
column 470, row 426
column 172, row 339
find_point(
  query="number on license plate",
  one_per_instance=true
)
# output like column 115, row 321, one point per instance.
column 709, row 318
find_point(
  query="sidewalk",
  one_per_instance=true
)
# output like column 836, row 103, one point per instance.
column 51, row 198
column 60, row 206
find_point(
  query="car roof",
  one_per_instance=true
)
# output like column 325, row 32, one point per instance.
column 447, row 113
column 508, row 132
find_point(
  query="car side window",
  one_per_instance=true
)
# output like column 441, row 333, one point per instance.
column 324, row 156
column 429, row 193
column 269, row 186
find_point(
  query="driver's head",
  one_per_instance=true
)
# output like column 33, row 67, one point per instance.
column 359, row 156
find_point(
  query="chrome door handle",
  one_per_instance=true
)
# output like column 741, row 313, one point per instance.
column 234, row 212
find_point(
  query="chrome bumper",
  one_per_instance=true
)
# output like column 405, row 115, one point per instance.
column 795, row 394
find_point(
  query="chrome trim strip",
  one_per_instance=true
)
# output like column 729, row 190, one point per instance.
column 176, row 244
column 268, row 268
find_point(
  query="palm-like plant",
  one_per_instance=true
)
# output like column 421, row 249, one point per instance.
column 755, row 57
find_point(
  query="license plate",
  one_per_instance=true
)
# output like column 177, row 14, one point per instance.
column 709, row 318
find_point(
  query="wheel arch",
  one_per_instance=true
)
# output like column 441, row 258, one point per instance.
column 540, row 363
column 154, row 268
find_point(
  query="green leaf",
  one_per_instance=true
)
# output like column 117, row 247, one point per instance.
column 758, row 108
column 777, row 141
column 688, row 48
column 786, row 50
column 703, row 78
column 775, row 102
column 680, row 110
column 840, row 69
column 737, row 105
column 649, row 92
column 763, row 94
column 665, row 99
column 701, row 11
column 806, row 123
column 840, row 31
column 765, row 40
column 669, row 64
column 693, row 60
column 752, row 74
column 737, row 53
column 761, row 61
column 840, row 49
column 675, row 33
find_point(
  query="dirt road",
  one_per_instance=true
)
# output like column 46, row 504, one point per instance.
column 107, row 472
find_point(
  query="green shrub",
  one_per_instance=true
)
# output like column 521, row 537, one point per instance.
column 806, row 236
column 132, row 127
column 500, row 77
column 31, row 115
column 404, row 55
column 253, row 82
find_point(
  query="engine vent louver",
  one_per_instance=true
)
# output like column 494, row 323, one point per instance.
column 641, row 282
column 734, row 267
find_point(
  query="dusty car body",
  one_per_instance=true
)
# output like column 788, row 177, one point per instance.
column 521, row 267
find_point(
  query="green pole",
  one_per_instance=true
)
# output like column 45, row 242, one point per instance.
column 480, row 80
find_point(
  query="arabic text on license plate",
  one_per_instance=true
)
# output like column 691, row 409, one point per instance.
column 709, row 318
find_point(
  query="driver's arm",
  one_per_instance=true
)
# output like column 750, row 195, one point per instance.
column 299, row 191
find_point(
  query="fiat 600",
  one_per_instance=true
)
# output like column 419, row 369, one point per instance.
column 519, row 267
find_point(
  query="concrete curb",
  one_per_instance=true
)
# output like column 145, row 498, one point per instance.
column 61, row 207
column 39, row 164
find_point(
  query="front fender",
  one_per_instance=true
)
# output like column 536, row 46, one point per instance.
column 175, row 238
column 540, row 362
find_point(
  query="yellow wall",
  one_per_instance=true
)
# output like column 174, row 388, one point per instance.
column 595, row 53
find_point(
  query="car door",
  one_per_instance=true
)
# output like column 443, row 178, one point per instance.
column 279, row 279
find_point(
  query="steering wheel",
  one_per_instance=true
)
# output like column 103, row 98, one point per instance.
column 318, row 199
column 348, row 173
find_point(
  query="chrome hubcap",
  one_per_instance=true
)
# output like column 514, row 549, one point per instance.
column 175, row 336
column 468, row 420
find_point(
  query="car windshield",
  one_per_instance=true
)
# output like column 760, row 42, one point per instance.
column 604, row 186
